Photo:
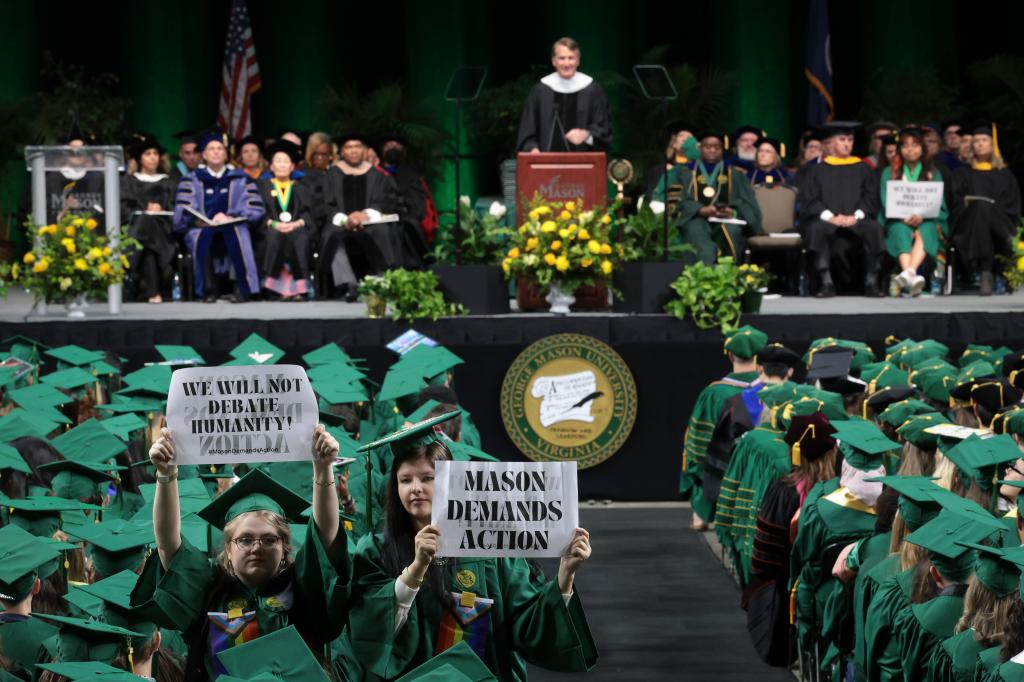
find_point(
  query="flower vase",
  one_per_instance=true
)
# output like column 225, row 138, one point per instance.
column 76, row 308
column 376, row 307
column 559, row 298
column 750, row 302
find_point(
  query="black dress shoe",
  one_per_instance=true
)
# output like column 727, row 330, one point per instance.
column 352, row 295
column 826, row 291
column 871, row 290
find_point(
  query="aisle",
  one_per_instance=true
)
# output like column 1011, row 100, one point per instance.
column 660, row 605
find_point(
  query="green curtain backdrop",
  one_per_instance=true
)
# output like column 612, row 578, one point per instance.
column 168, row 54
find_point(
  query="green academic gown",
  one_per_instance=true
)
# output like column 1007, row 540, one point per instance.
column 864, row 589
column 528, row 621
column 882, row 646
column 834, row 519
column 759, row 458
column 698, row 434
column 955, row 659
column 215, row 612
column 21, row 641
column 989, row 662
column 922, row 628
column 717, row 186
column 1007, row 672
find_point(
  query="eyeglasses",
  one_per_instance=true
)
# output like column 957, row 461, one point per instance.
column 246, row 543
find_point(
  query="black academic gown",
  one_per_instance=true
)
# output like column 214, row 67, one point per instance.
column 842, row 189
column 413, row 190
column 275, row 249
column 153, row 262
column 548, row 115
column 374, row 248
column 982, row 229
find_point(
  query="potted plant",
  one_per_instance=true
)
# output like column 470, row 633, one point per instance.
column 408, row 295
column 646, row 277
column 1014, row 272
column 755, row 281
column 73, row 261
column 467, row 264
column 713, row 294
column 566, row 251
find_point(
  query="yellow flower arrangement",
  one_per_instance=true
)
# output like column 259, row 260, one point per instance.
column 556, row 245
column 583, row 236
column 70, row 230
column 91, row 224
column 550, row 258
column 80, row 264
column 104, row 269
column 29, row 258
column 78, row 222
column 531, row 243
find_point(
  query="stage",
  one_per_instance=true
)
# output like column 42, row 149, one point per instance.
column 671, row 360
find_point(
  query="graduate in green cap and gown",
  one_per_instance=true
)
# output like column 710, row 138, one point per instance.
column 403, row 595
column 991, row 592
column 741, row 346
column 256, row 585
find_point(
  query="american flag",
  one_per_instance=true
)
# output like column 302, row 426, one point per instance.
column 241, row 75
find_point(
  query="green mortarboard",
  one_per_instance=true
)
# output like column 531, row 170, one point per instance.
column 115, row 593
column 180, row 355
column 745, row 342
column 864, row 443
column 93, row 671
column 400, row 382
column 84, row 639
column 999, row 574
column 124, row 404
column 337, row 393
column 213, row 471
column 154, row 380
column 433, row 362
column 888, row 378
column 42, row 515
column 914, row 430
column 10, row 458
column 118, row 545
column 102, row 368
column 20, row 422
column 873, row 369
column 20, row 557
column 420, row 413
column 75, row 355
column 463, row 452
column 862, row 352
column 404, row 439
column 942, row 537
column 895, row 346
column 123, row 425
column 190, row 489
column 920, row 354
column 39, row 395
column 282, row 653
column 977, row 459
column 961, row 389
column 899, row 412
column 1013, row 422
column 327, row 354
column 89, row 441
column 935, row 383
column 69, row 379
column 255, row 350
column 975, row 352
column 256, row 491
column 776, row 394
column 339, row 373
column 77, row 480
column 24, row 348
column 456, row 664
column 919, row 498
column 83, row 605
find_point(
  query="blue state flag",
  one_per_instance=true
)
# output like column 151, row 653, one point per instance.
column 818, row 69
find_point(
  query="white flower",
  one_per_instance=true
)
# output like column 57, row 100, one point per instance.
column 640, row 202
column 65, row 284
column 465, row 200
column 530, row 260
column 657, row 207
column 586, row 217
column 498, row 210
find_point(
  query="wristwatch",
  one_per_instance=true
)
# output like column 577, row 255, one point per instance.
column 167, row 479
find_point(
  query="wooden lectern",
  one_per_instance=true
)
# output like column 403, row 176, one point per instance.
column 562, row 176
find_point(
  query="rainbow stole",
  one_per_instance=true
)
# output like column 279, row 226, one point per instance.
column 469, row 624
column 226, row 632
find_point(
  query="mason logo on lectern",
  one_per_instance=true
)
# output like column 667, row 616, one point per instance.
column 566, row 397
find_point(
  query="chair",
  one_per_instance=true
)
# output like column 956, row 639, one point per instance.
column 778, row 206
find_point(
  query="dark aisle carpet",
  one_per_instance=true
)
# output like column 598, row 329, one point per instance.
column 660, row 605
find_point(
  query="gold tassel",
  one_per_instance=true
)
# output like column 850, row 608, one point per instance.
column 725, row 140
column 782, row 149
column 131, row 656
column 796, row 454
column 995, row 141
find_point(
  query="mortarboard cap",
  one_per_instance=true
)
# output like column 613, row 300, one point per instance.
column 914, row 429
column 77, row 480
column 337, row 372
column 123, row 425
column 83, row 639
column 919, row 498
column 328, row 354
column 69, row 379
column 975, row 352
column 340, row 393
column 152, row 380
column 114, row 593
column 255, row 350
column 994, row 570
column 977, row 459
column 75, row 355
column 776, row 394
column 896, row 413
column 93, row 671
column 864, row 443
column 21, row 555
column 401, row 382
column 10, row 458
column 942, row 538
column 745, row 342
column 256, row 491
column 862, row 353
column 830, row 363
column 993, row 395
column 458, row 663
column 809, row 437
column 180, row 355
column 834, row 128
column 282, row 653
column 42, row 515
column 404, row 439
column 88, row 441
column 776, row 353
column 212, row 135
column 20, row 422
column 935, row 383
column 118, row 545
column 967, row 377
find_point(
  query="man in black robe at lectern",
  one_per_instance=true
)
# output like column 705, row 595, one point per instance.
column 567, row 111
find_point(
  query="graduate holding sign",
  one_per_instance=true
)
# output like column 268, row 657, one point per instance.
column 256, row 586
column 408, row 604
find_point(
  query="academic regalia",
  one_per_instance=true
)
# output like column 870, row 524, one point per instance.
column 555, row 106
column 724, row 184
column 528, row 621
column 759, row 459
column 882, row 657
column 279, row 251
column 22, row 638
column 841, row 187
column 419, row 204
column 775, row 177
column 372, row 249
column 982, row 229
column 989, row 662
column 922, row 628
column 153, row 262
column 899, row 236
column 698, row 433
column 232, row 194
column 865, row 586
column 954, row 660
column 801, row 177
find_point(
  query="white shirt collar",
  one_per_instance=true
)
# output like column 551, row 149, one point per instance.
column 567, row 86
column 145, row 177
column 216, row 175
column 73, row 173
